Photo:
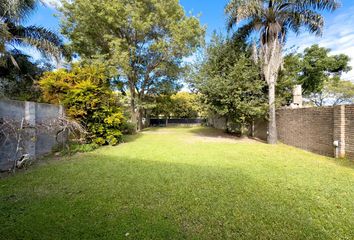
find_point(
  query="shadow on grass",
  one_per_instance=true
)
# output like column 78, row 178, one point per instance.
column 344, row 162
column 131, row 137
column 210, row 132
column 115, row 198
column 218, row 133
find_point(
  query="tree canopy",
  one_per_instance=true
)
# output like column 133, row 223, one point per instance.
column 230, row 83
column 87, row 97
column 314, row 69
column 178, row 105
column 273, row 20
column 146, row 40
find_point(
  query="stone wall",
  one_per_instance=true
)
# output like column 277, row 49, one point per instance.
column 36, row 141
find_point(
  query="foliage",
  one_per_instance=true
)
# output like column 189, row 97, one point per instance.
column 334, row 93
column 273, row 20
column 128, row 128
column 178, row 186
column 160, row 105
column 318, row 67
column 87, row 97
column 288, row 78
column 17, row 72
column 74, row 147
column 19, row 83
column 178, row 105
column 13, row 33
column 185, row 105
column 145, row 40
column 230, row 83
column 315, row 68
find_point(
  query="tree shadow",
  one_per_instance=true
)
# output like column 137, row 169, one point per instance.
column 210, row 132
column 131, row 137
column 118, row 197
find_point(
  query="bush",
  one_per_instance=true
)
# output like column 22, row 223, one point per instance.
column 74, row 147
column 87, row 97
column 128, row 128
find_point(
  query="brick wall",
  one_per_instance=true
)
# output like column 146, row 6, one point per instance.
column 311, row 129
column 315, row 129
column 349, row 131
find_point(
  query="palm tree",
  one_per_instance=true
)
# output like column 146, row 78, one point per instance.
column 13, row 34
column 273, row 20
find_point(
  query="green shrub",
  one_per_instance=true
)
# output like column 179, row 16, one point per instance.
column 85, row 92
column 73, row 148
column 128, row 128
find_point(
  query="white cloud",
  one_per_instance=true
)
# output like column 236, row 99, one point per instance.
column 338, row 35
column 52, row 3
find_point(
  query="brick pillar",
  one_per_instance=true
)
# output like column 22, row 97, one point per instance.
column 29, row 136
column 339, row 130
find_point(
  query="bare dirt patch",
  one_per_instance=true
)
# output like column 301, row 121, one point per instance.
column 216, row 136
column 197, row 134
column 219, row 139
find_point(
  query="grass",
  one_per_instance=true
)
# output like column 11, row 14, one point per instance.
column 182, row 183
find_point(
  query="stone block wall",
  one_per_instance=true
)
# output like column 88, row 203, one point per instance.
column 35, row 141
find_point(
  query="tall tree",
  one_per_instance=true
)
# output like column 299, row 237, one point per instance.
column 230, row 84
column 179, row 105
column 13, row 13
column 319, row 67
column 314, row 69
column 273, row 20
column 146, row 40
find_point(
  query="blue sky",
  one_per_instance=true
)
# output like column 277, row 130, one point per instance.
column 338, row 33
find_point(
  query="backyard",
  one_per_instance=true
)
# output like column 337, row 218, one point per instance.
column 181, row 183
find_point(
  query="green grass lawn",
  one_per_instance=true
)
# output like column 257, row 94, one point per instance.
column 182, row 183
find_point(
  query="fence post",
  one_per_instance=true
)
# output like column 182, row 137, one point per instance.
column 339, row 131
column 30, row 134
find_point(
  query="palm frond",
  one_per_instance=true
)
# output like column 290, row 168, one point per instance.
column 238, row 10
column 246, row 30
column 45, row 41
column 320, row 5
column 313, row 21
column 16, row 10
column 277, row 17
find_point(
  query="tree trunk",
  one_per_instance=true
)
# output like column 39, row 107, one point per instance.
column 133, row 117
column 140, row 119
column 272, row 124
column 272, row 57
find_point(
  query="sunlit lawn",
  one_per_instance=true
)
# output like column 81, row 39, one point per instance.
column 182, row 183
